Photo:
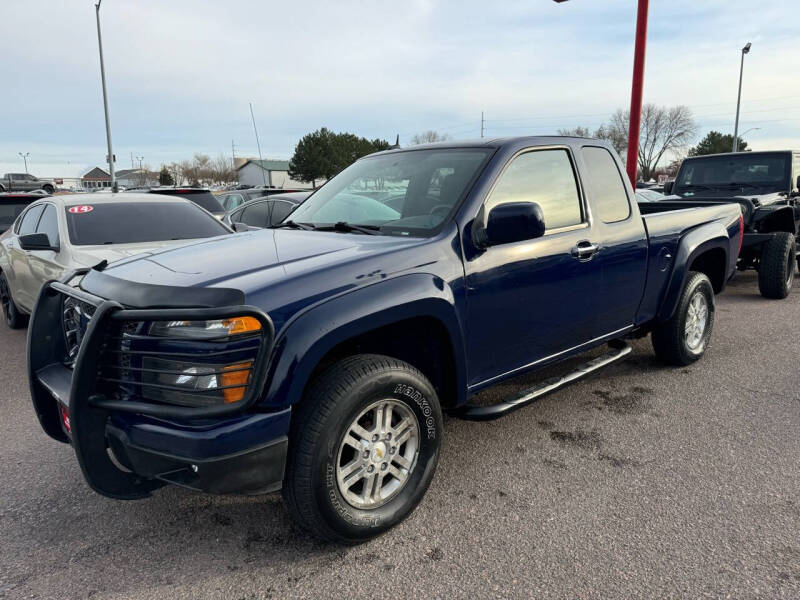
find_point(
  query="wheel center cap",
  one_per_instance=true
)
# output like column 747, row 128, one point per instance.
column 378, row 453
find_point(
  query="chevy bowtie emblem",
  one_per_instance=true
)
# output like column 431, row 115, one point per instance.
column 379, row 452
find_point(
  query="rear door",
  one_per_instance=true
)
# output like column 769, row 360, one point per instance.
column 256, row 214
column 619, row 234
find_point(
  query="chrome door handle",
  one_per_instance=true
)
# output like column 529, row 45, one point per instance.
column 584, row 250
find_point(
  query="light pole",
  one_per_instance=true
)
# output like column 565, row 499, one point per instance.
column 25, row 159
column 141, row 174
column 637, row 89
column 105, row 101
column 745, row 50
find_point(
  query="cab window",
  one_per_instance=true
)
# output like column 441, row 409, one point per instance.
column 48, row 225
column 607, row 188
column 545, row 177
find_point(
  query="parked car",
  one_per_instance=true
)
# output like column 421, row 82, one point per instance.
column 11, row 206
column 24, row 182
column 317, row 357
column 767, row 186
column 200, row 196
column 54, row 236
column 266, row 211
column 233, row 199
column 648, row 195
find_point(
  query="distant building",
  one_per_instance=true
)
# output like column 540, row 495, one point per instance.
column 129, row 178
column 271, row 172
column 96, row 178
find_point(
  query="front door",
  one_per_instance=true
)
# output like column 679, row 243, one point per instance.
column 532, row 299
column 20, row 280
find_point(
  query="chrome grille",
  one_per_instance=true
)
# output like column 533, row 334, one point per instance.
column 75, row 317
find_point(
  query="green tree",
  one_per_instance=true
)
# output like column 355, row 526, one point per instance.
column 716, row 143
column 323, row 153
column 165, row 177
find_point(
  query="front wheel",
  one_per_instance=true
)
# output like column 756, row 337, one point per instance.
column 684, row 338
column 363, row 448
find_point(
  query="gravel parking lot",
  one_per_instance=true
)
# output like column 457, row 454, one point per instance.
column 643, row 481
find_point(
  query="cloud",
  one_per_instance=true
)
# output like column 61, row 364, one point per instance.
column 181, row 73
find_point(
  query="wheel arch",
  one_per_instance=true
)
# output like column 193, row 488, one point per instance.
column 412, row 318
column 778, row 218
column 705, row 249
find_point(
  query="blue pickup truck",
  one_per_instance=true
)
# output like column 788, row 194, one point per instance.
column 317, row 356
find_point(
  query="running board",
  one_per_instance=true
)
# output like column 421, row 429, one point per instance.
column 618, row 350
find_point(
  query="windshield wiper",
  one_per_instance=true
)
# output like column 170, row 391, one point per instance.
column 346, row 227
column 294, row 225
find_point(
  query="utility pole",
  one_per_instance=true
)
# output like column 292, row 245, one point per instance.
column 745, row 50
column 142, row 179
column 25, row 159
column 105, row 102
column 482, row 122
column 260, row 158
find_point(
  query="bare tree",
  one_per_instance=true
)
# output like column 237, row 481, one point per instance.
column 578, row 131
column 221, row 171
column 429, row 137
column 664, row 130
column 609, row 132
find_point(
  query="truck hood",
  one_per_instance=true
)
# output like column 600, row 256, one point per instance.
column 255, row 259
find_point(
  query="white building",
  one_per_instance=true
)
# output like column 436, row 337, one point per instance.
column 272, row 172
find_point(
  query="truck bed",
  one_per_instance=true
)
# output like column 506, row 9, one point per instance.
column 667, row 223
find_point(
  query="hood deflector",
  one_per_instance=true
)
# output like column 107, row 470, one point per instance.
column 144, row 295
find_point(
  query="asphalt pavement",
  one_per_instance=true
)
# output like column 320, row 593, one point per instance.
column 642, row 481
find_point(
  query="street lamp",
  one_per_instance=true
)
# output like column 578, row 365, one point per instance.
column 745, row 50
column 25, row 158
column 110, row 156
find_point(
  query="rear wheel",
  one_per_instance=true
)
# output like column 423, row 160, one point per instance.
column 11, row 314
column 48, row 188
column 776, row 267
column 363, row 448
column 684, row 338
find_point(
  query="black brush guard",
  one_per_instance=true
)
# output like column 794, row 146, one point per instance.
column 51, row 381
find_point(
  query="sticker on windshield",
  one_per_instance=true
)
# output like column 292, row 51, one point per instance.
column 77, row 210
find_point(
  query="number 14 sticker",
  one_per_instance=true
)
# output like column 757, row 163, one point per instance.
column 77, row 210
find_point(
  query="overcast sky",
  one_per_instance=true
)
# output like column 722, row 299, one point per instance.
column 181, row 72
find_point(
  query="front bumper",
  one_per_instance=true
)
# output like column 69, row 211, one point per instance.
column 126, row 449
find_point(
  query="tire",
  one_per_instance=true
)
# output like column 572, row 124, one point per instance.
column 13, row 317
column 672, row 342
column 349, row 393
column 49, row 189
column 776, row 268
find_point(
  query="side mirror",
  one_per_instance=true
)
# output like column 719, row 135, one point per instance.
column 240, row 227
column 36, row 241
column 668, row 187
column 514, row 222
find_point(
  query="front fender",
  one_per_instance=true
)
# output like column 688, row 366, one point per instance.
column 768, row 219
column 307, row 337
column 707, row 237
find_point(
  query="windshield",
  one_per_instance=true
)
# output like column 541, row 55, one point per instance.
column 10, row 210
column 740, row 172
column 136, row 222
column 404, row 193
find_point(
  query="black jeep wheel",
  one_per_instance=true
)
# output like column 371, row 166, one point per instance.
column 11, row 314
column 684, row 338
column 776, row 267
column 363, row 448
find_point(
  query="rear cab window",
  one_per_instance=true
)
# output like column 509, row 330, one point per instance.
column 546, row 177
column 607, row 189
column 137, row 222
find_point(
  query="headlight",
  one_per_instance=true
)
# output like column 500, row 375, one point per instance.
column 187, row 363
column 193, row 384
column 205, row 330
